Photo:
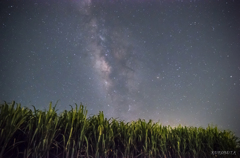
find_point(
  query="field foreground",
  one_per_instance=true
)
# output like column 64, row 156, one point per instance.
column 27, row 133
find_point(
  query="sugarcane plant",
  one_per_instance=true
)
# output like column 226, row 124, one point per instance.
column 27, row 133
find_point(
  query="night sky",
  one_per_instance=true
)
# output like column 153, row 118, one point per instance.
column 173, row 61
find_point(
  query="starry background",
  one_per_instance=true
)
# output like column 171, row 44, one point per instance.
column 173, row 61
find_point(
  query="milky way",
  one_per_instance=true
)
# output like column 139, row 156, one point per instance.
column 113, row 57
column 174, row 61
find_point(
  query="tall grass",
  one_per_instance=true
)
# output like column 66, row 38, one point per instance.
column 34, row 133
